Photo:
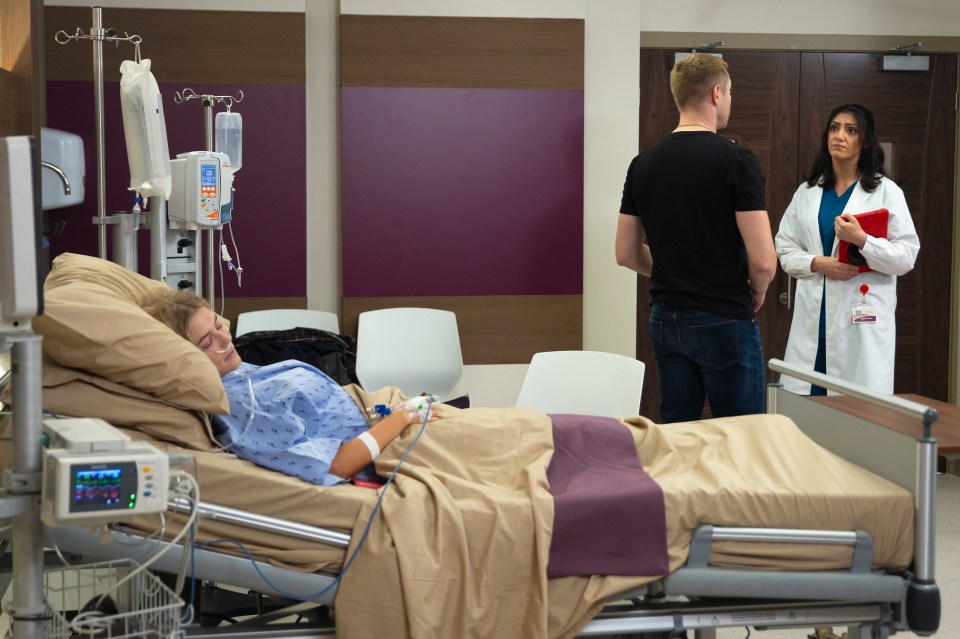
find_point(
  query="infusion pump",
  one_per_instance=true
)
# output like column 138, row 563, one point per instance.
column 202, row 185
column 93, row 473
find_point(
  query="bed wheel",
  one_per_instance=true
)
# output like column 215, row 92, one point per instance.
column 923, row 607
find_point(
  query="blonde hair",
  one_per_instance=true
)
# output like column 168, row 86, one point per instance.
column 173, row 308
column 693, row 77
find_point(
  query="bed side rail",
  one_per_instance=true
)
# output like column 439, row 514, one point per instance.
column 925, row 414
column 923, row 597
column 859, row 582
column 207, row 510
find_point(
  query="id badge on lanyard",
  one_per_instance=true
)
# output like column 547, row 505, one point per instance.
column 862, row 313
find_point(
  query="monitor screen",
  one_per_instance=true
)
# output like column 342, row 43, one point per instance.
column 208, row 174
column 103, row 487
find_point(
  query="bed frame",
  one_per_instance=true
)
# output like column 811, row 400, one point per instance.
column 695, row 597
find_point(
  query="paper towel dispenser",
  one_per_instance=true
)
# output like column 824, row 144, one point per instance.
column 62, row 168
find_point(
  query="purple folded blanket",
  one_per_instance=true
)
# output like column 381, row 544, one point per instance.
column 608, row 512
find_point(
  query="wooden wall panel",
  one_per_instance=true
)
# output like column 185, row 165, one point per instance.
column 935, row 225
column 521, row 326
column 389, row 51
column 8, row 103
column 429, row 53
column 506, row 329
column 190, row 46
column 21, row 90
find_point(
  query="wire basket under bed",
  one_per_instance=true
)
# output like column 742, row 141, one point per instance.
column 142, row 606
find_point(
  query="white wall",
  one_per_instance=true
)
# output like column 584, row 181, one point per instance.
column 611, row 130
column 323, row 155
column 876, row 17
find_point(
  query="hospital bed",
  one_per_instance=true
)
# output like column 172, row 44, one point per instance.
column 754, row 544
column 872, row 603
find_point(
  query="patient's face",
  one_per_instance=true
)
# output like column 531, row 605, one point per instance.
column 209, row 334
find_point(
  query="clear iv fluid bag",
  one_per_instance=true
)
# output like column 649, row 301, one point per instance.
column 144, row 130
column 228, row 131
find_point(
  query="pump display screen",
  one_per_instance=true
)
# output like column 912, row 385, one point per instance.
column 103, row 487
column 208, row 175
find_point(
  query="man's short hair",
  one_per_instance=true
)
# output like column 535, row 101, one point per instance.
column 694, row 76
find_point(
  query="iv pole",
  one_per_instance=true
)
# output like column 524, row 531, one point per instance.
column 207, row 102
column 98, row 34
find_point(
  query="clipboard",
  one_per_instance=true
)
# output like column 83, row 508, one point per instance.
column 873, row 223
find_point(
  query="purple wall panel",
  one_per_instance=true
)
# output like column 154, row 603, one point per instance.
column 462, row 191
column 269, row 221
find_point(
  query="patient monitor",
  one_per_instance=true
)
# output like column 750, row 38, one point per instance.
column 93, row 473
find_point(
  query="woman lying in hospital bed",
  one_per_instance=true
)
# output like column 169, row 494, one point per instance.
column 483, row 532
column 289, row 417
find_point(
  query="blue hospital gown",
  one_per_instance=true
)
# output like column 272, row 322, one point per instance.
column 301, row 417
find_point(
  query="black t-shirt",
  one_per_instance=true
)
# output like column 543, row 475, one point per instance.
column 686, row 189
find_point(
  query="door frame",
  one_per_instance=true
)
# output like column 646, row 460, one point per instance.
column 849, row 44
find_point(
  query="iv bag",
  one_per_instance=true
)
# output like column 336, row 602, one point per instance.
column 229, row 137
column 145, row 130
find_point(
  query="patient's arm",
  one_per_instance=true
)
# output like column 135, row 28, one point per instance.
column 353, row 456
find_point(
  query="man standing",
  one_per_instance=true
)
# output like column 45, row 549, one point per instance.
column 693, row 218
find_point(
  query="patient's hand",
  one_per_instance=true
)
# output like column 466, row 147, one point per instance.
column 416, row 408
column 412, row 415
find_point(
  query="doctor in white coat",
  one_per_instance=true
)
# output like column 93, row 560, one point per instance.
column 846, row 179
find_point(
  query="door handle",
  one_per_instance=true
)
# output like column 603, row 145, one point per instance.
column 787, row 298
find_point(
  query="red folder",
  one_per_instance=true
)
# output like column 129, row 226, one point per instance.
column 873, row 223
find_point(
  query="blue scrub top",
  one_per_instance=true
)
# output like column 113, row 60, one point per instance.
column 831, row 206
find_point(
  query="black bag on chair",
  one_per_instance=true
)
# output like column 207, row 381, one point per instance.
column 335, row 355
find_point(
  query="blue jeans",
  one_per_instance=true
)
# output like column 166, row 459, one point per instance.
column 703, row 354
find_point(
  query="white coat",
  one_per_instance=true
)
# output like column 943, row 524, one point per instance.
column 859, row 353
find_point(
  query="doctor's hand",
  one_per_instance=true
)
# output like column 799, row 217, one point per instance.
column 848, row 229
column 832, row 268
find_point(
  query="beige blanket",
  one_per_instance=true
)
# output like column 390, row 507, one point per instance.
column 459, row 548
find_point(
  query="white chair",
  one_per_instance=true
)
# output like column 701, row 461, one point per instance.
column 281, row 319
column 416, row 349
column 583, row 383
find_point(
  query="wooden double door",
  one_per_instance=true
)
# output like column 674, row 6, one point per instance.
column 781, row 101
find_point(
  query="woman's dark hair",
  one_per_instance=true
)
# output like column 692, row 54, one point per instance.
column 870, row 163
